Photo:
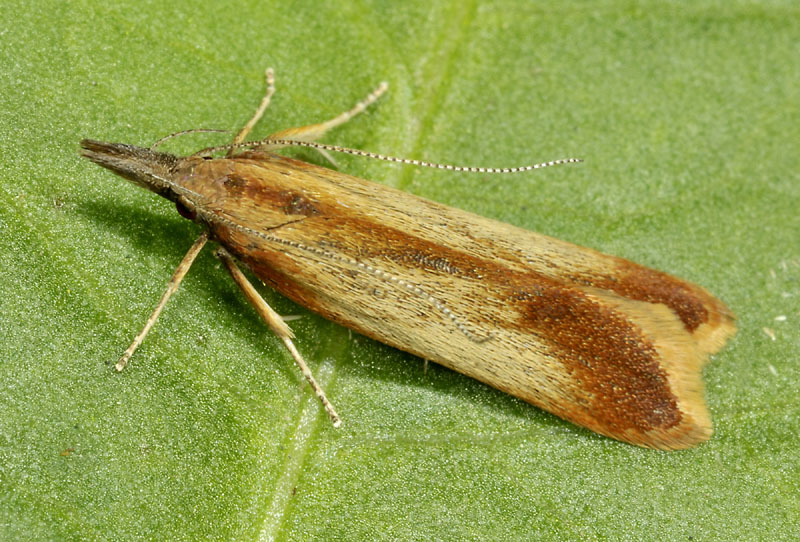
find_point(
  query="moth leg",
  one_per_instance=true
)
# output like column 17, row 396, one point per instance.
column 262, row 107
column 313, row 132
column 172, row 287
column 278, row 326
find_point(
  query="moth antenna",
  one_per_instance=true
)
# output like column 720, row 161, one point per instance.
column 184, row 132
column 411, row 161
column 357, row 152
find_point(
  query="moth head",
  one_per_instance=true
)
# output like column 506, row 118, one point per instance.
column 145, row 167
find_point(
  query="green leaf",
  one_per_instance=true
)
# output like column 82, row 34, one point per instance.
column 688, row 118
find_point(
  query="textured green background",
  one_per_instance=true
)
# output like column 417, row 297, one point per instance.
column 688, row 117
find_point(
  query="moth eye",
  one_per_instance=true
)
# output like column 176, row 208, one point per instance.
column 184, row 211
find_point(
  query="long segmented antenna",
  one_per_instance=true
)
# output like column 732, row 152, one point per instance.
column 184, row 132
column 358, row 152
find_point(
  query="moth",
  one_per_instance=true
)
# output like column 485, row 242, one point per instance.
column 598, row 340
